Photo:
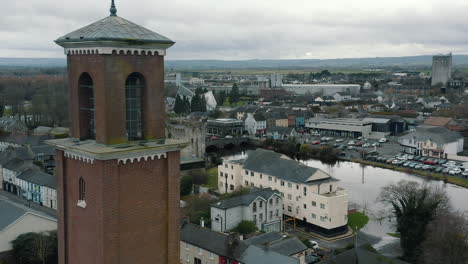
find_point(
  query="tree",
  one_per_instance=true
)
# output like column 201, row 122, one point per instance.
column 234, row 96
column 414, row 206
column 186, row 185
column 198, row 206
column 35, row 248
column 179, row 105
column 246, row 227
column 446, row 240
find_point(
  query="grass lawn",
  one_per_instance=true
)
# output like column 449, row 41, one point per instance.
column 394, row 235
column 240, row 103
column 357, row 220
column 212, row 178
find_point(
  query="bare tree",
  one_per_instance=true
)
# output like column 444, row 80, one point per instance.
column 446, row 240
column 413, row 206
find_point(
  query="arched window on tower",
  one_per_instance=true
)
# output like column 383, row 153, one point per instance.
column 134, row 92
column 82, row 190
column 86, row 101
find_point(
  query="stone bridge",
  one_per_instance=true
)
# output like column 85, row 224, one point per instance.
column 213, row 144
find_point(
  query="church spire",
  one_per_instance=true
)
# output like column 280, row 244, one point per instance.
column 113, row 10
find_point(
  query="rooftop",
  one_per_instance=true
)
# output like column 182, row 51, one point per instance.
column 89, row 148
column 282, row 167
column 114, row 29
column 245, row 199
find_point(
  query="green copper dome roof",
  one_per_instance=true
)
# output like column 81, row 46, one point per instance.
column 114, row 28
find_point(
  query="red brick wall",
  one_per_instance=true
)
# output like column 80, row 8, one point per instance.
column 109, row 73
column 132, row 212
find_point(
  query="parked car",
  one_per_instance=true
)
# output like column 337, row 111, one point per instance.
column 406, row 164
column 214, row 138
column 389, row 160
column 382, row 140
column 438, row 169
column 351, row 143
column 314, row 244
column 339, row 140
column 228, row 136
column 455, row 171
column 365, row 145
column 410, row 157
column 465, row 174
column 430, row 162
column 426, row 167
column 375, row 144
column 451, row 162
column 445, row 170
column 412, row 165
column 350, row 147
column 418, row 166
column 315, row 142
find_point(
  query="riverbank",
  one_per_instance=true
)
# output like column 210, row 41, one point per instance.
column 431, row 175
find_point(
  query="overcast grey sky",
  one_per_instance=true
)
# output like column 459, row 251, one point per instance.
column 251, row 29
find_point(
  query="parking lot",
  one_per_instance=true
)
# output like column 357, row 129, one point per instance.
column 422, row 163
column 350, row 147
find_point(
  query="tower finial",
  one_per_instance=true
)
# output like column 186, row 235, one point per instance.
column 113, row 10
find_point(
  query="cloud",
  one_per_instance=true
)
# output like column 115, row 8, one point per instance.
column 251, row 29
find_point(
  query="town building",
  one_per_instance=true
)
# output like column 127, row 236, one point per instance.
column 38, row 187
column 225, row 127
column 12, row 125
column 342, row 96
column 10, row 172
column 433, row 141
column 200, row 245
column 322, row 89
column 439, row 121
column 118, row 177
column 281, row 133
column 255, row 124
column 17, row 219
column 264, row 207
column 341, row 127
column 441, row 69
column 309, row 194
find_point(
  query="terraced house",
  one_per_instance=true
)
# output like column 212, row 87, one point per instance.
column 309, row 194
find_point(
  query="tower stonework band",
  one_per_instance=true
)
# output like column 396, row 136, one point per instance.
column 117, row 176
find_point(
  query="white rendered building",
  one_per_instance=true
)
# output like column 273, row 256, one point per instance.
column 309, row 194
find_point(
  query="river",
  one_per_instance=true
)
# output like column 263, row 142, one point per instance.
column 363, row 184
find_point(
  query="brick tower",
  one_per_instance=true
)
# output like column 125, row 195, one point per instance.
column 117, row 177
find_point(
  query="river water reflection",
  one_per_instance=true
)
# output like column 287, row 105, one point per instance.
column 363, row 184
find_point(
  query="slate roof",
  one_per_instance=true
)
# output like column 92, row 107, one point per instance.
column 10, row 153
column 245, row 199
column 259, row 117
column 12, row 125
column 440, row 135
column 364, row 256
column 10, row 213
column 276, row 242
column 34, row 175
column 278, row 165
column 17, row 165
column 114, row 28
column 210, row 240
column 46, row 150
column 258, row 255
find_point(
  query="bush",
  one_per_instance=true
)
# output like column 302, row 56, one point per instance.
column 35, row 248
column 186, row 185
column 246, row 227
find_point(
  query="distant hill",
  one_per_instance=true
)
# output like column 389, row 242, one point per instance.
column 424, row 60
